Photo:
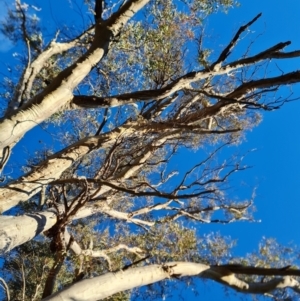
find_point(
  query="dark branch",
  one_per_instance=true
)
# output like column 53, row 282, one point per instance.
column 248, row 270
column 286, row 79
column 226, row 52
column 133, row 192
column 98, row 10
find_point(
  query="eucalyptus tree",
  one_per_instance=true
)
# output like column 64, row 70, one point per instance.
column 133, row 88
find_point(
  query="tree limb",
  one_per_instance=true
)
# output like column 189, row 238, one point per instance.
column 110, row 283
column 5, row 288
column 226, row 52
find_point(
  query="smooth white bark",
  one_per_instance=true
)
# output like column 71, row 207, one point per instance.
column 16, row 230
column 60, row 91
column 111, row 283
column 108, row 284
column 52, row 168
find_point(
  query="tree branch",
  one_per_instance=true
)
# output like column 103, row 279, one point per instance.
column 5, row 288
column 98, row 10
column 226, row 52
column 82, row 101
column 60, row 91
column 251, row 86
column 110, row 283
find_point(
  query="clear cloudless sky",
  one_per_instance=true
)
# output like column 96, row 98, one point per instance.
column 275, row 164
column 276, row 161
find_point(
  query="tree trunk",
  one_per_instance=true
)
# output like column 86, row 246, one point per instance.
column 16, row 230
column 60, row 91
column 108, row 284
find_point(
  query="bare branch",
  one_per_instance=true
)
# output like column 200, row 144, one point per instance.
column 286, row 79
column 4, row 285
column 226, row 52
column 116, row 186
column 4, row 158
column 40, row 62
column 111, row 283
column 185, row 81
column 98, row 10
column 60, row 91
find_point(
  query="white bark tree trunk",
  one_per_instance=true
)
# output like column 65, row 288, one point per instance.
column 60, row 91
column 108, row 284
column 16, row 230
column 111, row 283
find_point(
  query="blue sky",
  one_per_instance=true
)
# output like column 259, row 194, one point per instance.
column 5, row 45
column 276, row 161
column 276, row 164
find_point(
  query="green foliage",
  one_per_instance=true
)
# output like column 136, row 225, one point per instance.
column 23, row 24
column 26, row 268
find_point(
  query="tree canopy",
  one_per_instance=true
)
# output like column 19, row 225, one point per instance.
column 101, row 209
